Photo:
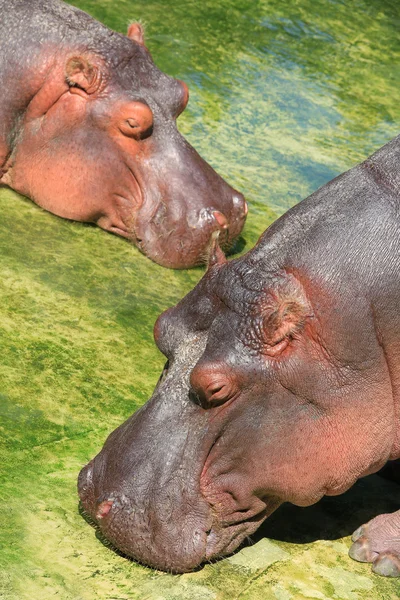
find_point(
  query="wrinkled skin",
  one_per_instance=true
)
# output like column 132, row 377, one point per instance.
column 88, row 132
column 282, row 385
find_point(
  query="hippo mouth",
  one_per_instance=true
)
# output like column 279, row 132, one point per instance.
column 131, row 528
column 181, row 241
column 115, row 513
column 127, row 200
column 233, row 519
column 173, row 224
column 224, row 537
column 147, row 222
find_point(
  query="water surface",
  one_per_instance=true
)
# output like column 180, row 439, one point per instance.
column 284, row 96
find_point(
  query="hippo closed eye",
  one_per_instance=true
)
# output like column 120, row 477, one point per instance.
column 282, row 385
column 88, row 132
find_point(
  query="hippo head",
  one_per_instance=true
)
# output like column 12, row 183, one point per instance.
column 265, row 399
column 99, row 143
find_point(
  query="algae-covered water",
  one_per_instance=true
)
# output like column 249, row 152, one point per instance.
column 285, row 94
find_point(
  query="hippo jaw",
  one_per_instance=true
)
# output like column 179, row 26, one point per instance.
column 171, row 526
column 225, row 536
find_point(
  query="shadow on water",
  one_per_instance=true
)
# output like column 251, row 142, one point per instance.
column 332, row 517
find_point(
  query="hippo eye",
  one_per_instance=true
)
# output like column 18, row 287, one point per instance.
column 132, row 123
column 134, row 129
column 135, row 120
column 131, row 128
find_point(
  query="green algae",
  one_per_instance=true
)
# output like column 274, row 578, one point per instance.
column 284, row 95
column 258, row 557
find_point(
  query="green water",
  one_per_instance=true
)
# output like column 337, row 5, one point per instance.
column 284, row 95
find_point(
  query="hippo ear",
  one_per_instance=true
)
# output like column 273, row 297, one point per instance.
column 215, row 255
column 283, row 319
column 82, row 74
column 136, row 33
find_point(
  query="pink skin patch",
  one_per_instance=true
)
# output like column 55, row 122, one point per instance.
column 104, row 508
column 221, row 219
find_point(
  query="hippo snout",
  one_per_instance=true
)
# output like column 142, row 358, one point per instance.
column 125, row 522
column 178, row 217
column 85, row 489
column 230, row 217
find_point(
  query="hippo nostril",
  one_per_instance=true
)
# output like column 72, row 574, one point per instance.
column 85, row 480
column 240, row 204
column 221, row 219
column 104, row 508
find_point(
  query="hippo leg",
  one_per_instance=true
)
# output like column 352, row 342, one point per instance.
column 378, row 542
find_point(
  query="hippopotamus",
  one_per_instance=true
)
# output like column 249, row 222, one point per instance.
column 88, row 132
column 282, row 384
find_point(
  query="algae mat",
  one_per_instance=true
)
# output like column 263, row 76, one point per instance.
column 284, row 95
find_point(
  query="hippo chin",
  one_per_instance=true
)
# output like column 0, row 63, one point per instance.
column 88, row 132
column 282, row 385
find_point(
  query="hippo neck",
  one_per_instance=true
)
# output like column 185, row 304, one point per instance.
column 65, row 29
column 62, row 25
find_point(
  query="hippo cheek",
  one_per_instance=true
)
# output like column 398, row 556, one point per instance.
column 237, row 506
column 261, row 458
column 80, row 175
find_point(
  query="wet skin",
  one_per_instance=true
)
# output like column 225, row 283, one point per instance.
column 88, row 131
column 282, row 385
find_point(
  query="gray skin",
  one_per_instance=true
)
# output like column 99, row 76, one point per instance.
column 88, row 131
column 282, row 385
